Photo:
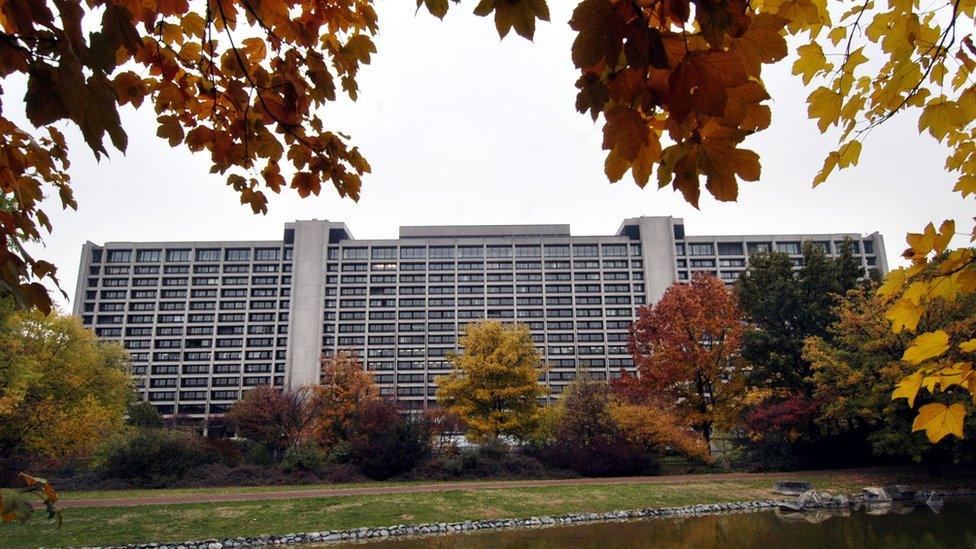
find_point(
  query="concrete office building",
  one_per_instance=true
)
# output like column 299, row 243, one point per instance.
column 205, row 321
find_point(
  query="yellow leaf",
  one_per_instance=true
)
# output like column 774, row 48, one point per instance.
column 828, row 166
column 892, row 283
column 940, row 117
column 939, row 420
column 908, row 388
column 810, row 62
column 904, row 315
column 966, row 185
column 946, row 231
column 926, row 346
column 968, row 346
column 922, row 243
column 849, row 153
column 824, row 106
column 837, row 34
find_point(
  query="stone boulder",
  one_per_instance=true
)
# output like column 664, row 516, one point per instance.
column 790, row 487
column 875, row 494
column 900, row 492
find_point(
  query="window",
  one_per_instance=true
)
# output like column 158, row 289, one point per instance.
column 237, row 254
column 178, row 255
column 384, row 253
column 413, row 253
column 788, row 247
column 730, row 248
column 147, row 256
column 585, row 250
column 868, row 247
column 441, row 252
column 119, row 256
column 614, row 250
column 266, row 254
column 758, row 247
column 557, row 251
column 700, row 249
column 471, row 251
column 499, row 251
column 354, row 253
column 208, row 255
column 528, row 251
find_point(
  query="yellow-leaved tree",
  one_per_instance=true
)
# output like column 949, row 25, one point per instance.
column 61, row 390
column 494, row 387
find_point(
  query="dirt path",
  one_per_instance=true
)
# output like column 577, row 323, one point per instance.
column 216, row 496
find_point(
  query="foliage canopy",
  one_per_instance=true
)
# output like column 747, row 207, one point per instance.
column 494, row 387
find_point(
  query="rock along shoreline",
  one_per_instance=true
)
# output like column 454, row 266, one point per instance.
column 443, row 528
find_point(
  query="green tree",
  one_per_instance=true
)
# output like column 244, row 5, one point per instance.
column 144, row 414
column 61, row 389
column 855, row 373
column 784, row 307
column 494, row 386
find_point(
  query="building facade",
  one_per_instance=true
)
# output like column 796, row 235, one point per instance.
column 205, row 321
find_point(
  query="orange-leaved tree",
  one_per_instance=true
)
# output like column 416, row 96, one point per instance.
column 686, row 349
column 344, row 388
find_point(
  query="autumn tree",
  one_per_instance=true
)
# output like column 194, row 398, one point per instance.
column 61, row 389
column 344, row 388
column 687, row 351
column 277, row 418
column 855, row 372
column 494, row 385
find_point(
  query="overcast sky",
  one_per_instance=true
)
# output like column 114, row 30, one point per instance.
column 461, row 128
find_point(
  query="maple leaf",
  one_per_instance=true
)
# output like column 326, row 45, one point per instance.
column 939, row 420
column 908, row 388
column 762, row 42
column 824, row 106
column 701, row 81
column 926, row 346
column 811, row 62
column 625, row 132
column 601, row 33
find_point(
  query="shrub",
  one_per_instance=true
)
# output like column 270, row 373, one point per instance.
column 493, row 460
column 385, row 443
column 143, row 414
column 587, row 440
column 303, row 456
column 153, row 457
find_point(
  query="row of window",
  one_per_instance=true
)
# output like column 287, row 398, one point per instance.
column 194, row 318
column 480, row 277
column 183, row 255
column 185, row 269
column 119, row 282
column 473, row 266
column 481, row 251
column 792, row 248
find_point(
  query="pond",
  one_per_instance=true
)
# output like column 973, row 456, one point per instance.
column 915, row 527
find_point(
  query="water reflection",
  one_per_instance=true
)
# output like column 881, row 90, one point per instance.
column 894, row 526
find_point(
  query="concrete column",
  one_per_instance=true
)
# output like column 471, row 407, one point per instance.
column 657, row 247
column 307, row 295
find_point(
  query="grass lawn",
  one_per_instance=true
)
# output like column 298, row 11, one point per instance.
column 162, row 523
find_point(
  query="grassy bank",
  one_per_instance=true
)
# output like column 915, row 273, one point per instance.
column 161, row 523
